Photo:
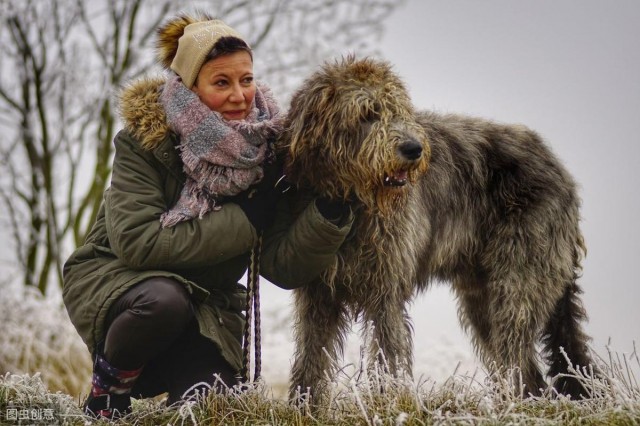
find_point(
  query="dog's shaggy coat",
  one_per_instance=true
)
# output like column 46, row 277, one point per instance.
column 484, row 206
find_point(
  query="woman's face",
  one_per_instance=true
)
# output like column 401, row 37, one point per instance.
column 225, row 84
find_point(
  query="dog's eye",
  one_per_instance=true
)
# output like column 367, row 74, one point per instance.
column 371, row 112
column 366, row 128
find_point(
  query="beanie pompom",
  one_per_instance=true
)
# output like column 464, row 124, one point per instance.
column 170, row 32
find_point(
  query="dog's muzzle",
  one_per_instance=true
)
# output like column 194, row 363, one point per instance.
column 410, row 153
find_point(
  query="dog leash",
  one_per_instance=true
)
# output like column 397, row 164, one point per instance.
column 252, row 317
column 253, row 308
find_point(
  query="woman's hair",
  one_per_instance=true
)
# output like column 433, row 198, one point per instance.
column 227, row 45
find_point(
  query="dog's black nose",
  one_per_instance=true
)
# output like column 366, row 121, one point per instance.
column 411, row 150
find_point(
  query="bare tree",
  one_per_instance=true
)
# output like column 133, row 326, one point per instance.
column 62, row 61
column 36, row 115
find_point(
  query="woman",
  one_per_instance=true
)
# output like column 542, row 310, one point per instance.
column 154, row 290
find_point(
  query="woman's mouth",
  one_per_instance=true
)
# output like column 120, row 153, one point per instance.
column 238, row 114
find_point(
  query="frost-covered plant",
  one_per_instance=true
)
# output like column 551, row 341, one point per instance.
column 365, row 395
column 36, row 337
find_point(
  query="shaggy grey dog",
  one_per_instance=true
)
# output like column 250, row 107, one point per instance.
column 484, row 206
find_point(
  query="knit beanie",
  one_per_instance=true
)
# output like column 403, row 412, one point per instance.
column 195, row 44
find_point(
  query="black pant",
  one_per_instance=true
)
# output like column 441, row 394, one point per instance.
column 153, row 325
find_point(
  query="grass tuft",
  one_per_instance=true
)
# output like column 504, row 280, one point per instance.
column 369, row 396
column 50, row 370
column 37, row 336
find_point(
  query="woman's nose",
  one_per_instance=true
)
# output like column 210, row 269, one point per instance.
column 237, row 94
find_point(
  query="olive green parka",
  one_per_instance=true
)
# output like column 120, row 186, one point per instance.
column 209, row 256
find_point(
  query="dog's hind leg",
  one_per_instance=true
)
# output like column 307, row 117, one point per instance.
column 563, row 330
column 319, row 332
column 514, row 334
column 502, row 330
column 523, row 282
column 473, row 312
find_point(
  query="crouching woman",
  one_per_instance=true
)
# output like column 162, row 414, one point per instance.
column 154, row 291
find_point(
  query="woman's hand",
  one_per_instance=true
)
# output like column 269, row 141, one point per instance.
column 259, row 201
column 333, row 210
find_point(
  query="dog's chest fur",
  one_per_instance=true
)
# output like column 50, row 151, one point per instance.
column 378, row 261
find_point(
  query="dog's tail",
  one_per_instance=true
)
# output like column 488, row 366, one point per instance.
column 564, row 332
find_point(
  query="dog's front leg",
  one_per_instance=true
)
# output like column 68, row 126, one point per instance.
column 393, row 344
column 320, row 328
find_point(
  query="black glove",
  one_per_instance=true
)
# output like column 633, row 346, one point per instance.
column 333, row 210
column 259, row 201
column 259, row 206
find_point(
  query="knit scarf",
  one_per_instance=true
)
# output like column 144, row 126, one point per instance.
column 221, row 158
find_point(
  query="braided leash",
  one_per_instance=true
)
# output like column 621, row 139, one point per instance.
column 252, row 306
column 253, row 316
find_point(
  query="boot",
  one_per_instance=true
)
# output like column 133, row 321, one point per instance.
column 110, row 396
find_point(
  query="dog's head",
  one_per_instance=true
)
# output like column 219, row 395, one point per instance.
column 351, row 134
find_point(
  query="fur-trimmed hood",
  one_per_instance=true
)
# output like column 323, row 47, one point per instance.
column 141, row 111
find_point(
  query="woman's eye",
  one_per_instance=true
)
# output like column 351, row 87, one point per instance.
column 248, row 80
column 220, row 83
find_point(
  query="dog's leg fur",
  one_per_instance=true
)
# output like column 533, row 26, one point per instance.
column 476, row 322
column 503, row 336
column 321, row 325
column 564, row 330
column 392, row 345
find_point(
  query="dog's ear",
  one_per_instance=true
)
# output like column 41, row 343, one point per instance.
column 308, row 115
column 307, row 128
